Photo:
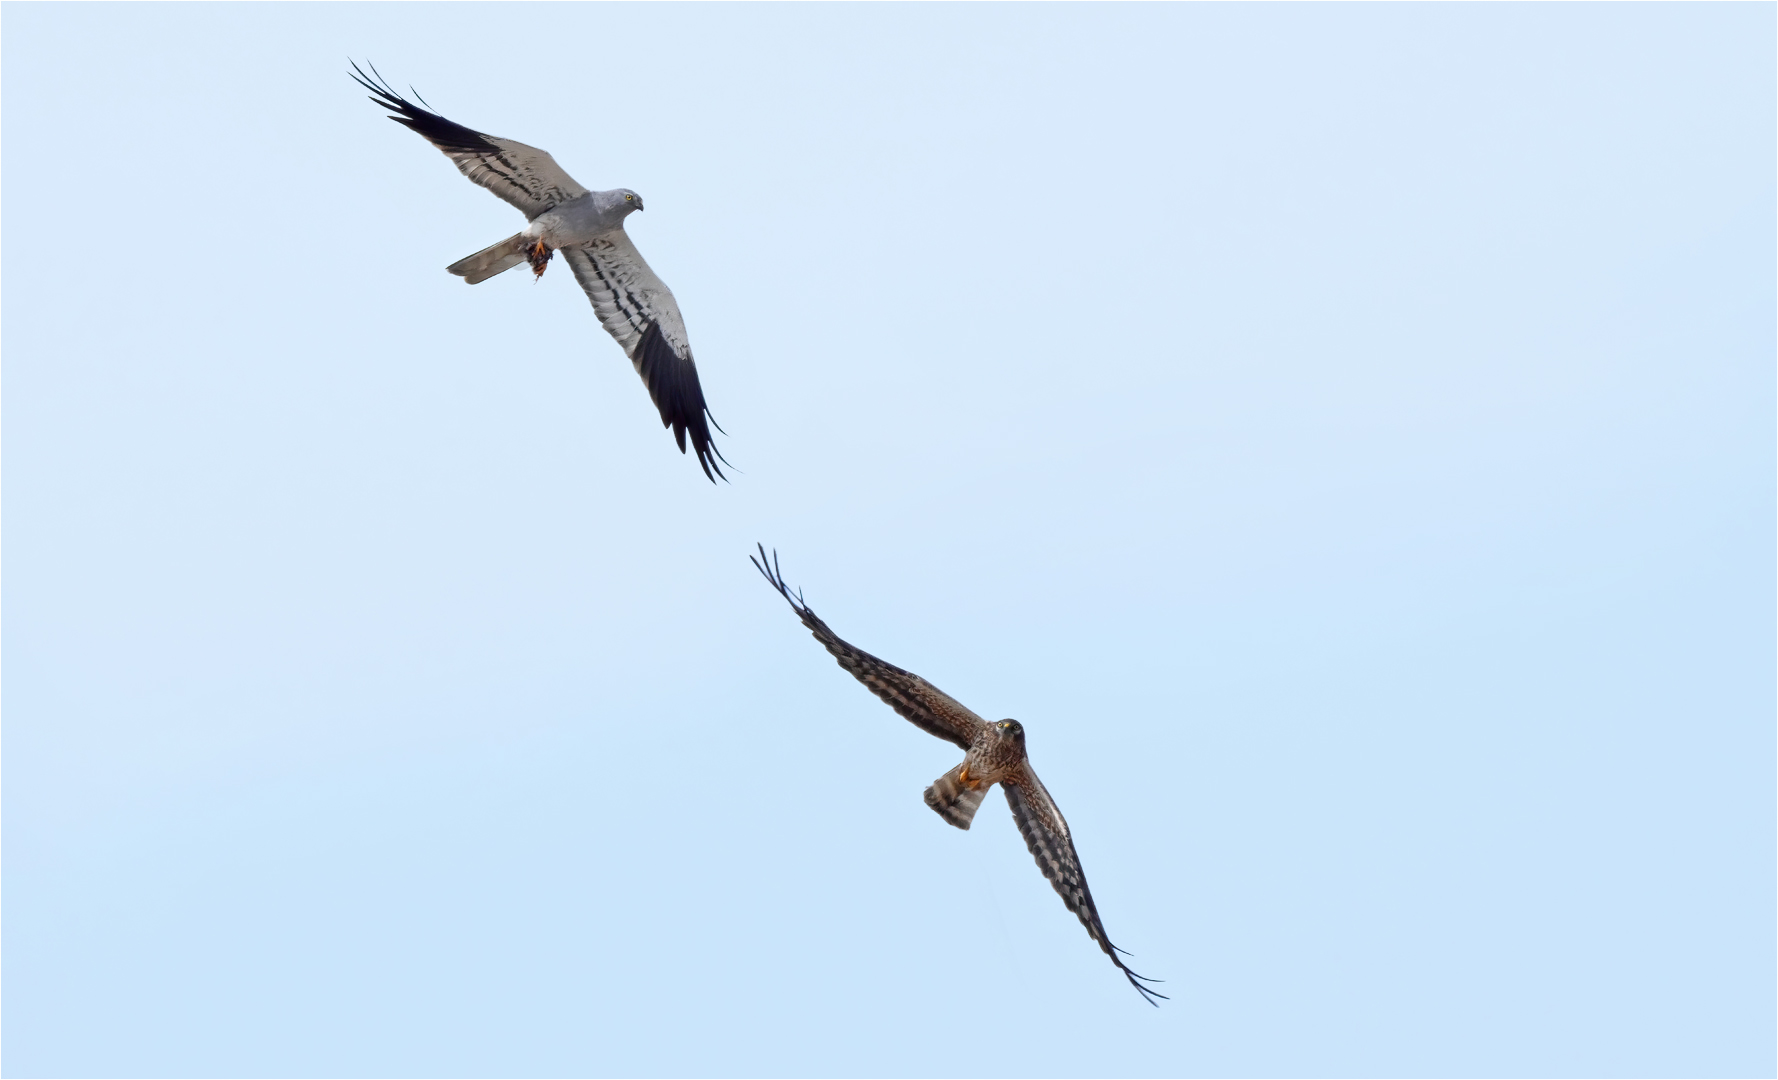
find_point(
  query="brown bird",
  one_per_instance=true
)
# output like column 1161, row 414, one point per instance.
column 995, row 754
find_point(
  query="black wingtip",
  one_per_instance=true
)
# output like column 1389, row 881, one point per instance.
column 445, row 134
column 672, row 382
column 1148, row 994
column 376, row 84
column 708, row 455
column 774, row 574
column 710, row 448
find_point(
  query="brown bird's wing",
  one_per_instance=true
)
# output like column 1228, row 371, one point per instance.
column 1046, row 834
column 524, row 176
column 930, row 708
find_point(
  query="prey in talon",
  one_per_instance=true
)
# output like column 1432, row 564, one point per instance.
column 539, row 256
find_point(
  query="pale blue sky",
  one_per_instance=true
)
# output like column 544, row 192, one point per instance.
column 1342, row 435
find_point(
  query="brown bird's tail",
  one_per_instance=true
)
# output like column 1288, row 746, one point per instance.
column 954, row 801
column 489, row 261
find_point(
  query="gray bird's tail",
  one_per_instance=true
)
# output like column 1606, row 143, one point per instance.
column 489, row 261
column 954, row 802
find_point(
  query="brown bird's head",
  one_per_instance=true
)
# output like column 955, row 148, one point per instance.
column 1010, row 731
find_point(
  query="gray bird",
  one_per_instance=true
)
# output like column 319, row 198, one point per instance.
column 995, row 754
column 587, row 227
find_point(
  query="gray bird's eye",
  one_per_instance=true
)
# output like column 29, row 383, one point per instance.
column 629, row 198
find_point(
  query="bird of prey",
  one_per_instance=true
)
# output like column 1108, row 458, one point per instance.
column 587, row 227
column 995, row 754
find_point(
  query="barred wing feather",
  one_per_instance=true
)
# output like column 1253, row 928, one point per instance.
column 929, row 708
column 1045, row 831
column 524, row 176
column 636, row 307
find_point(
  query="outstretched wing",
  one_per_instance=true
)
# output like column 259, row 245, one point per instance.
column 930, row 708
column 638, row 309
column 1046, row 834
column 524, row 176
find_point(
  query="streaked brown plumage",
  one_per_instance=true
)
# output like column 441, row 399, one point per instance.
column 995, row 755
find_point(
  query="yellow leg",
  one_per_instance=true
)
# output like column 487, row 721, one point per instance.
column 538, row 257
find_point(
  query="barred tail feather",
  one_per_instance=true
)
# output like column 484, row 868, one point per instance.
column 489, row 261
column 954, row 802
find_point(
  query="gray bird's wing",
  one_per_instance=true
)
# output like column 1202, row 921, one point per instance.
column 931, row 709
column 1046, row 834
column 636, row 307
column 524, row 176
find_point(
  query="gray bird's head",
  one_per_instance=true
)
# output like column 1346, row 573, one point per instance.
column 629, row 199
column 1010, row 730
